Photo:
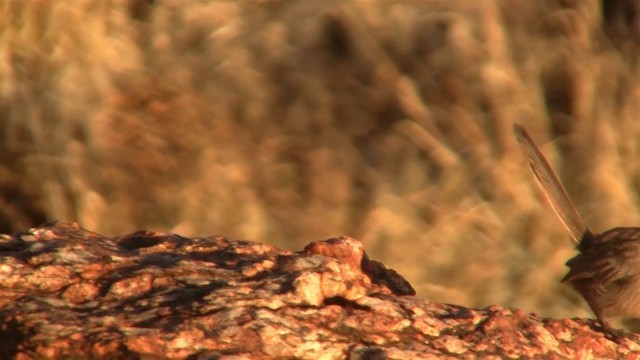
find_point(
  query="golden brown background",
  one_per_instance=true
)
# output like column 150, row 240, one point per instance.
column 292, row 121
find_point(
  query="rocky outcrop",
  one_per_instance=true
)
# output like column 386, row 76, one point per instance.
column 67, row 292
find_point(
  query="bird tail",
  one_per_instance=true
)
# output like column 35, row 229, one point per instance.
column 551, row 186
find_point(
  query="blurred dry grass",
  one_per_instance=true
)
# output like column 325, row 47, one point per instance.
column 286, row 122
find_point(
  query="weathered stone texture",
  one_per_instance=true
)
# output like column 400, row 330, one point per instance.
column 65, row 291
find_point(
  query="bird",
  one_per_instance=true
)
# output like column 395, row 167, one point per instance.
column 606, row 271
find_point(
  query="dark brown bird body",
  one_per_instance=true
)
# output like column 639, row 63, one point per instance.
column 606, row 272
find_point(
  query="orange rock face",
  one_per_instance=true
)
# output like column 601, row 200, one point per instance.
column 67, row 292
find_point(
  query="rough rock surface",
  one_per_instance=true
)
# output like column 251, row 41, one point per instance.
column 66, row 292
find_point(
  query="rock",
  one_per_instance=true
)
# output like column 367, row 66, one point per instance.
column 67, row 292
